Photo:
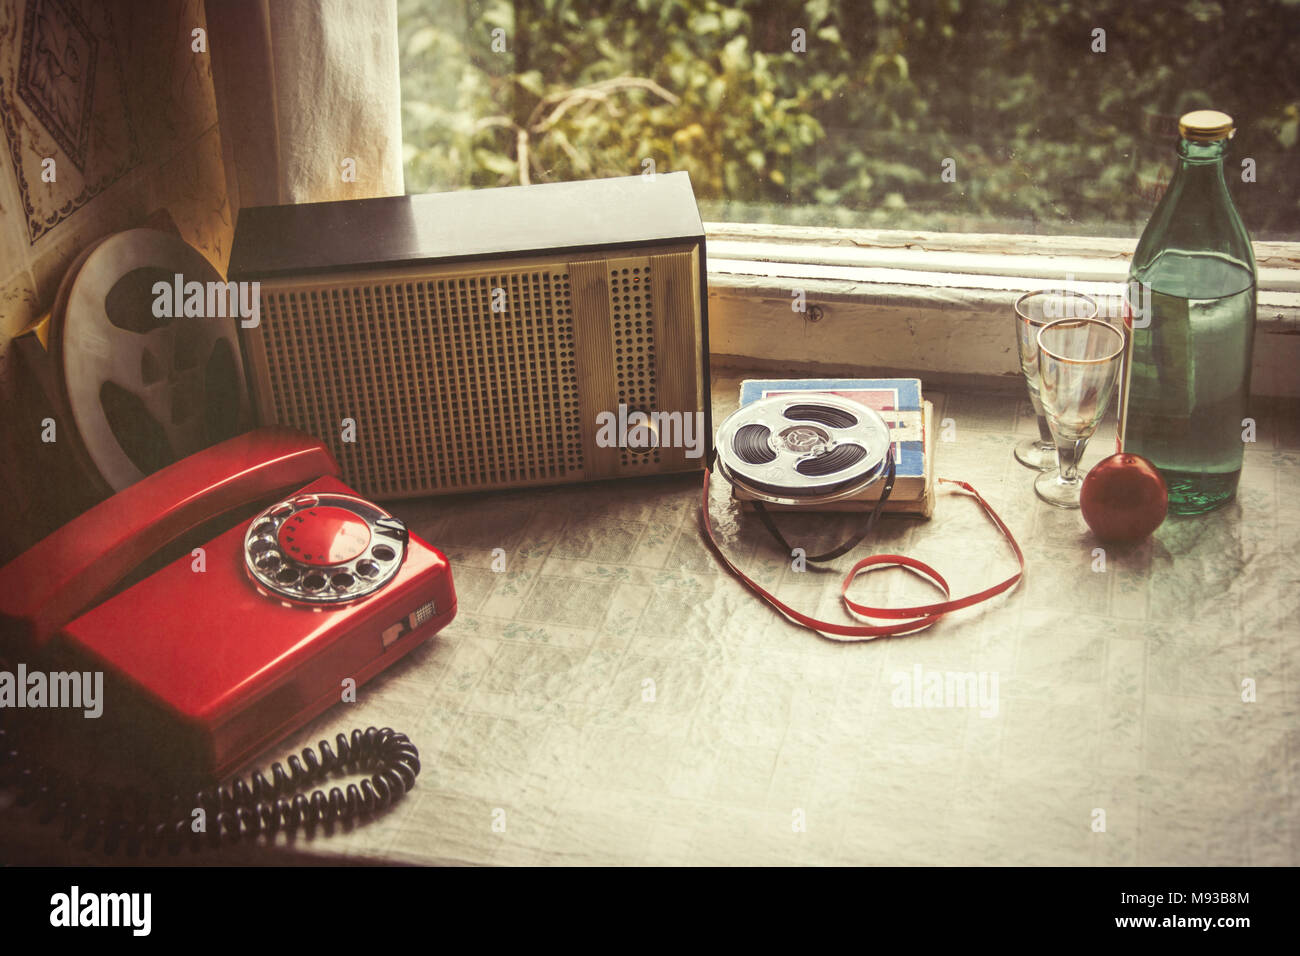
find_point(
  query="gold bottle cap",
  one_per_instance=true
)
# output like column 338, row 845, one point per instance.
column 1205, row 126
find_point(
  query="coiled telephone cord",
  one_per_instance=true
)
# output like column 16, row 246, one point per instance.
column 136, row 820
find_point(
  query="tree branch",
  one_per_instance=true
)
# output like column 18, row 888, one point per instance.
column 564, row 100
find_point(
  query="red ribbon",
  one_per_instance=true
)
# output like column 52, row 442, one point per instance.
column 910, row 619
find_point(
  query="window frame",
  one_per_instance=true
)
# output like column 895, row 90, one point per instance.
column 936, row 304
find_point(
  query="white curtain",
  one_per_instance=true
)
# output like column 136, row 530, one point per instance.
column 308, row 99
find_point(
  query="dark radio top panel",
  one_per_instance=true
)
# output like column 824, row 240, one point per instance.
column 273, row 241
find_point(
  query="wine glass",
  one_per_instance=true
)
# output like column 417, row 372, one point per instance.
column 1078, row 364
column 1033, row 311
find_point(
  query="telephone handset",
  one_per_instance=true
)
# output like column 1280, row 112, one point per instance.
column 228, row 646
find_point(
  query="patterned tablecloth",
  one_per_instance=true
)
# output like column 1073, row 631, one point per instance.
column 613, row 697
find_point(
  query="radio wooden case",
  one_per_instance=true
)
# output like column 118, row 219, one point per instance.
column 466, row 341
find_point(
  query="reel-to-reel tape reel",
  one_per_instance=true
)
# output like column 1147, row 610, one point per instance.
column 803, row 449
column 141, row 391
column 813, row 448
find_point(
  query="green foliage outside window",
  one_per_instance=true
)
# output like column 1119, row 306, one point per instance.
column 1045, row 132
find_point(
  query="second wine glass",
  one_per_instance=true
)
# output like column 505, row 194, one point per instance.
column 1078, row 364
column 1033, row 311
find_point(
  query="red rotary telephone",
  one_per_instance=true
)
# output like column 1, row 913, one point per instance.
column 229, row 642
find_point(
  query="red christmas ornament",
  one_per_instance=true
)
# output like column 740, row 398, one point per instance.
column 1123, row 498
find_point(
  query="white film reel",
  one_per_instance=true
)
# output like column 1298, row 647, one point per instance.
column 142, row 391
column 803, row 449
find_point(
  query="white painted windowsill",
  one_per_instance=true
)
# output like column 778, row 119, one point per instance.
column 936, row 305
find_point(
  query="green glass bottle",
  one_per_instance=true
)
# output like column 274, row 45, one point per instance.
column 1191, row 302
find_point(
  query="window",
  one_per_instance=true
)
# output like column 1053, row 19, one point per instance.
column 817, row 132
column 1008, row 116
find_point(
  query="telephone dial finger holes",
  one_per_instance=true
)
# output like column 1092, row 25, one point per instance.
column 320, row 548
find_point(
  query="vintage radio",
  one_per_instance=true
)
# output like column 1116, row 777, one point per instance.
column 485, row 339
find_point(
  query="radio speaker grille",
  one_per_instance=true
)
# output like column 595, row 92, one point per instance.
column 464, row 396
column 632, row 311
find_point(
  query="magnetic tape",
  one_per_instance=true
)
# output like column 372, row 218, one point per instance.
column 812, row 449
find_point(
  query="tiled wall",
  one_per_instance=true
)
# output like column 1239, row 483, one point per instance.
column 115, row 94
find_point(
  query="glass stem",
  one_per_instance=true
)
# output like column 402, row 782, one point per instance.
column 1068, row 454
column 1044, row 431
